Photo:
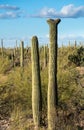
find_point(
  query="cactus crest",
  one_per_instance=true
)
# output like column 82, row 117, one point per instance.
column 53, row 22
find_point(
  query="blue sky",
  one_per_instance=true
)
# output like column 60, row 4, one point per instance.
column 22, row 19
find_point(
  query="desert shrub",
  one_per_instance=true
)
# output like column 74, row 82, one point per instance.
column 5, row 99
column 21, row 80
column 68, row 86
column 5, row 65
column 15, row 93
column 78, row 57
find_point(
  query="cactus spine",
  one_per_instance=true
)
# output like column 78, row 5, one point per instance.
column 52, row 86
column 36, row 83
column 22, row 54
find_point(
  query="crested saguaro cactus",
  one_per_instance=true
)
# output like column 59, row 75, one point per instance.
column 22, row 54
column 36, row 83
column 52, row 85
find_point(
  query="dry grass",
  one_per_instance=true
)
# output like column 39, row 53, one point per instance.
column 80, row 70
column 3, row 78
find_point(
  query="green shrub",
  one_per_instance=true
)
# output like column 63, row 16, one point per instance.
column 78, row 57
column 5, row 65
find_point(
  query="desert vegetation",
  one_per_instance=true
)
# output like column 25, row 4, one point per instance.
column 42, row 87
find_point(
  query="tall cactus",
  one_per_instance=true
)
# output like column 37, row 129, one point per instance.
column 36, row 83
column 52, row 86
column 22, row 54
column 75, row 44
column 12, row 56
column 16, row 46
column 14, row 52
column 69, row 44
column 2, row 50
column 45, row 56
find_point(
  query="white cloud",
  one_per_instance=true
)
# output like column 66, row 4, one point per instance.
column 72, row 11
column 10, row 15
column 9, row 7
column 68, row 11
column 71, row 37
column 47, row 12
column 10, row 12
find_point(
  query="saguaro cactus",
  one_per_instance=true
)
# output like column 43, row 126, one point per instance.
column 45, row 56
column 2, row 50
column 36, row 83
column 75, row 44
column 69, row 44
column 13, row 62
column 52, row 86
column 14, row 51
column 22, row 54
column 16, row 46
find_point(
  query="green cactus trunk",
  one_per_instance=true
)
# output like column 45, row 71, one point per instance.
column 22, row 54
column 13, row 62
column 14, row 52
column 75, row 44
column 52, row 86
column 16, row 46
column 36, row 83
column 69, row 44
column 27, row 49
column 45, row 56
column 2, row 49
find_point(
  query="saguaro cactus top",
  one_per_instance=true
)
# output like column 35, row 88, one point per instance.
column 53, row 30
column 52, row 85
